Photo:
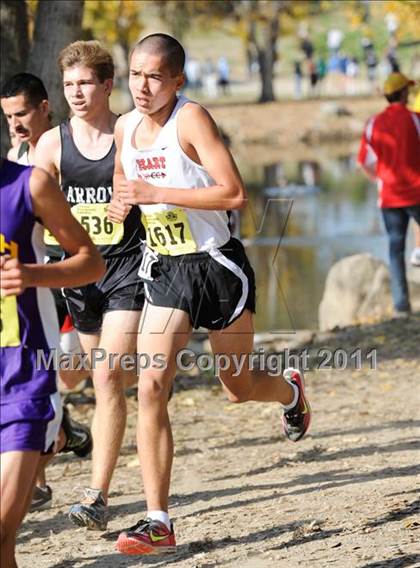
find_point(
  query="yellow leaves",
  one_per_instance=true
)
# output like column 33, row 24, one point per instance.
column 239, row 29
column 289, row 22
column 387, row 387
column 32, row 6
column 113, row 21
column 411, row 524
column 355, row 19
column 301, row 10
column 406, row 12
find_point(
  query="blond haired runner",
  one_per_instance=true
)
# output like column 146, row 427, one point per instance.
column 80, row 152
column 172, row 162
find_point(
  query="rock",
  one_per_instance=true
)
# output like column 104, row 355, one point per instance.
column 265, row 337
column 334, row 109
column 295, row 341
column 279, row 340
column 357, row 289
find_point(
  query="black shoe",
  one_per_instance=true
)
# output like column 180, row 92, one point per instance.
column 41, row 499
column 91, row 512
column 78, row 436
column 296, row 421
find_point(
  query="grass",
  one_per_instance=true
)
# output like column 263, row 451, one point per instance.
column 215, row 39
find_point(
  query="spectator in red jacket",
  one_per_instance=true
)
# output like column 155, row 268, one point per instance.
column 390, row 153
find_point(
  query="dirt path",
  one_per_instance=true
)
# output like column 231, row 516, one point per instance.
column 244, row 497
column 289, row 129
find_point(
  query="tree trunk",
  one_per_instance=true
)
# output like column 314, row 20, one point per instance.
column 265, row 62
column 58, row 23
column 263, row 26
column 267, row 55
column 14, row 50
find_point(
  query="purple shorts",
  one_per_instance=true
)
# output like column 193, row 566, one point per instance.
column 30, row 425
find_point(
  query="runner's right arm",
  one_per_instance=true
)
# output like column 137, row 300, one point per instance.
column 117, row 210
column 48, row 152
column 200, row 139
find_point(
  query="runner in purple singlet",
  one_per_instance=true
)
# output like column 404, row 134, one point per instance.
column 30, row 409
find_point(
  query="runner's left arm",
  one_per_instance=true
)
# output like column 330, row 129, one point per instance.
column 201, row 141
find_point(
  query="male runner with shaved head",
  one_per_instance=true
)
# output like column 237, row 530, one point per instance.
column 172, row 162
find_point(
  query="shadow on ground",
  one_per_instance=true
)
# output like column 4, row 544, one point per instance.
column 185, row 551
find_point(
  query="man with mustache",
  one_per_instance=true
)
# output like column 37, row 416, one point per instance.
column 24, row 101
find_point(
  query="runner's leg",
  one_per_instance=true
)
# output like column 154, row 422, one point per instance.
column 45, row 459
column 18, row 470
column 238, row 339
column 119, row 335
column 163, row 331
column 245, row 384
column 69, row 345
column 70, row 379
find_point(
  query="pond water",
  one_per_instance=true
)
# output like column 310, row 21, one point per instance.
column 301, row 219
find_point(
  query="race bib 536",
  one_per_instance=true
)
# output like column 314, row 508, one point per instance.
column 92, row 217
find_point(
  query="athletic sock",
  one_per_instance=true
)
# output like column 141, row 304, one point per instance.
column 288, row 407
column 161, row 516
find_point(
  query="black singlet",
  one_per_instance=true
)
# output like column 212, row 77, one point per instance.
column 87, row 185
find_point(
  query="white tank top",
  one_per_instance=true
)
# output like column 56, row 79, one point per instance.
column 165, row 164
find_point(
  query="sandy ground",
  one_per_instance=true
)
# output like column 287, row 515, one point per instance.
column 290, row 129
column 244, row 497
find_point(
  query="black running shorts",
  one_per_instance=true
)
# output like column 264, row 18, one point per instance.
column 214, row 288
column 119, row 289
column 61, row 305
column 59, row 299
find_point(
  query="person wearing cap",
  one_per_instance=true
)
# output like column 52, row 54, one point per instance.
column 389, row 153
